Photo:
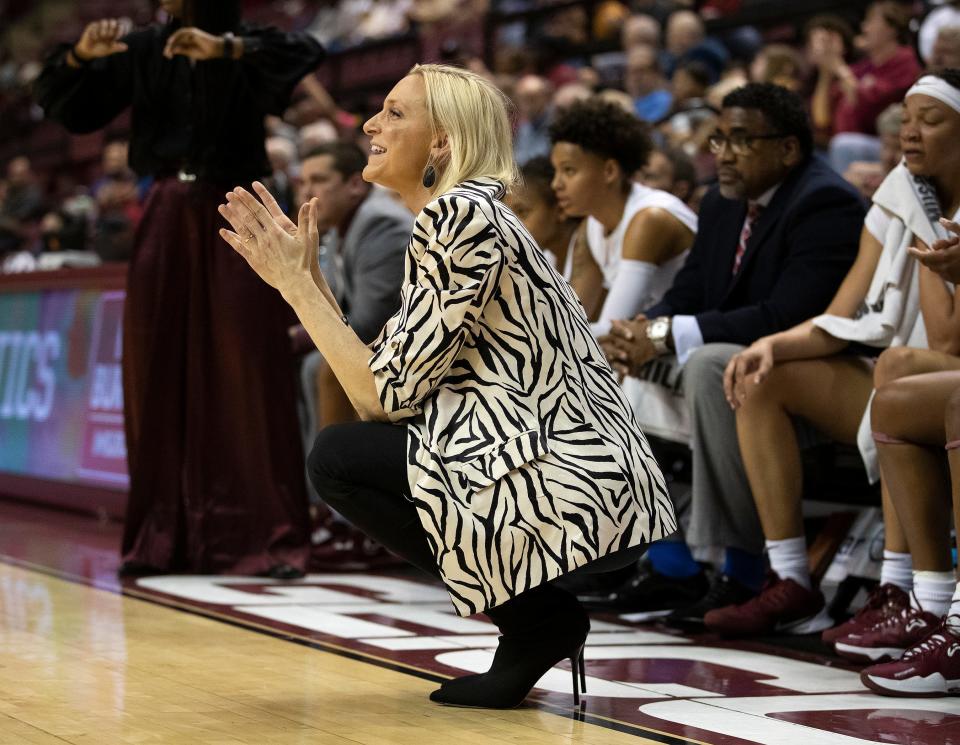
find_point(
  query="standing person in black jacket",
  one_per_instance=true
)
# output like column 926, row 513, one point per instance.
column 777, row 237
column 207, row 370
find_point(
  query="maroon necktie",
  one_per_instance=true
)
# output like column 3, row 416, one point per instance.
column 753, row 210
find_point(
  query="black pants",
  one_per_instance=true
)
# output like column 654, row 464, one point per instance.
column 360, row 470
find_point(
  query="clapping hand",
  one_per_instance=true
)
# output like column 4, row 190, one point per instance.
column 943, row 256
column 102, row 38
column 281, row 252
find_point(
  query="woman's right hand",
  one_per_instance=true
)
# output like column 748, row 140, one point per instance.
column 102, row 38
column 756, row 360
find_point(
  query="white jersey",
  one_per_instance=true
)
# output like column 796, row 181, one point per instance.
column 607, row 250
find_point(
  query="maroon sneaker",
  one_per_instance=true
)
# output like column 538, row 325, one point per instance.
column 782, row 605
column 897, row 630
column 869, row 614
column 929, row 668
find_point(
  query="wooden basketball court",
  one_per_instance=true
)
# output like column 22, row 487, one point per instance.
column 85, row 665
column 351, row 658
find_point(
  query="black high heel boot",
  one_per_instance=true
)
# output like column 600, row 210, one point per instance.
column 539, row 628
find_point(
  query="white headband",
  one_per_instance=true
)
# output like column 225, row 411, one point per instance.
column 938, row 88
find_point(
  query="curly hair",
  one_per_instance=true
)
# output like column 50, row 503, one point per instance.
column 783, row 110
column 604, row 129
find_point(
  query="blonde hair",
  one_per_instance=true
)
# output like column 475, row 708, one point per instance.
column 474, row 115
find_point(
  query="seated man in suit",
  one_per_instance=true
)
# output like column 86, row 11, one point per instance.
column 364, row 234
column 777, row 237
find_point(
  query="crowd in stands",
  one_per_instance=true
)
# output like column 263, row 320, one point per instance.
column 658, row 60
column 747, row 219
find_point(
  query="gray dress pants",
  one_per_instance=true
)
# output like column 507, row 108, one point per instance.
column 722, row 511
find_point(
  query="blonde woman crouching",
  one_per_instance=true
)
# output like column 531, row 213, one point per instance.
column 496, row 450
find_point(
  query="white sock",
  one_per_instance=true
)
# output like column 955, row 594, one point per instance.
column 953, row 615
column 932, row 591
column 897, row 569
column 788, row 558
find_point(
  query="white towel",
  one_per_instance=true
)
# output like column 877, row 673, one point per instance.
column 890, row 314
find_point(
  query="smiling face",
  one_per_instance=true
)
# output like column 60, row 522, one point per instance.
column 583, row 180
column 929, row 136
column 400, row 138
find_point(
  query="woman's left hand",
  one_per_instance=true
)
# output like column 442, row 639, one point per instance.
column 281, row 252
column 193, row 43
column 943, row 256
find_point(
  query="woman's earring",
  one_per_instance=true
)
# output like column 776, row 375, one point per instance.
column 429, row 177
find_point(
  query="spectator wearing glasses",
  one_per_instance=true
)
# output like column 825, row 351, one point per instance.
column 780, row 232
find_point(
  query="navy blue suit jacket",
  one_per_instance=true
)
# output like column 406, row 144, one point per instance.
column 802, row 245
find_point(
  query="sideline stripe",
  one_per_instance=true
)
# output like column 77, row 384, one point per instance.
column 570, row 712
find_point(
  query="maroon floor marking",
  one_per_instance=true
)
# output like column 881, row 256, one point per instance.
column 725, row 709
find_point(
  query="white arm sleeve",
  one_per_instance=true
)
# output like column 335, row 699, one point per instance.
column 628, row 295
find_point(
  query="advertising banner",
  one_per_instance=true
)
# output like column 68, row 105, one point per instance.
column 61, row 392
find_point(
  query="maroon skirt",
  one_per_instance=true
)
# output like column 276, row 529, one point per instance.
column 213, row 444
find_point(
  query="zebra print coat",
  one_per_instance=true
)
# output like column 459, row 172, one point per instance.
column 524, row 458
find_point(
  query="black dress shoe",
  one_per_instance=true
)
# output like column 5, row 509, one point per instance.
column 649, row 592
column 723, row 591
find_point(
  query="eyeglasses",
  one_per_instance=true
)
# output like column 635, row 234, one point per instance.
column 740, row 144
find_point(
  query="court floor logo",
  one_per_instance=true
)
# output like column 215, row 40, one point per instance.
column 711, row 692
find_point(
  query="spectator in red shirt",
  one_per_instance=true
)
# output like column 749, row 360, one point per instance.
column 848, row 99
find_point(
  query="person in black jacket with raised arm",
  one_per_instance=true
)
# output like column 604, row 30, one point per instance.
column 209, row 391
